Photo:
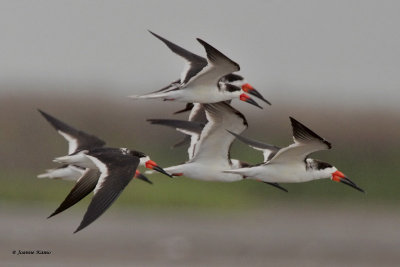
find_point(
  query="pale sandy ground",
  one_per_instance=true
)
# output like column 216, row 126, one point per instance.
column 282, row 235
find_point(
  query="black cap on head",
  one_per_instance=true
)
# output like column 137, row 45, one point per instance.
column 231, row 78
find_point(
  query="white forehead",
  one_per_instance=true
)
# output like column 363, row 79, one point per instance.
column 143, row 160
column 124, row 151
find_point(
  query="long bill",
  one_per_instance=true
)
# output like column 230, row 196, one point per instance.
column 153, row 166
column 252, row 91
column 341, row 178
column 249, row 100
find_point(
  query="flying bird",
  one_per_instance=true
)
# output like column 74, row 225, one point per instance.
column 291, row 164
column 205, row 80
column 109, row 170
column 106, row 171
column 77, row 141
column 209, row 150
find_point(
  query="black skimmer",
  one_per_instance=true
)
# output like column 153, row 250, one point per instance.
column 210, row 144
column 200, row 79
column 291, row 164
column 108, row 172
column 102, row 169
column 77, row 141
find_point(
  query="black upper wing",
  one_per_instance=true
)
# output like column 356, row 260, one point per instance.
column 82, row 188
column 117, row 170
column 78, row 140
column 196, row 63
column 303, row 134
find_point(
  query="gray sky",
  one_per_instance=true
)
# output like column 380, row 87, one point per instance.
column 337, row 52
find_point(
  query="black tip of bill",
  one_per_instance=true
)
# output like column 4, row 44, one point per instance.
column 160, row 170
column 348, row 182
column 252, row 102
column 143, row 178
column 276, row 185
column 257, row 94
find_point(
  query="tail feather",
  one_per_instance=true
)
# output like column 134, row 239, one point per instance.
column 45, row 175
column 79, row 159
column 69, row 173
column 162, row 93
column 148, row 96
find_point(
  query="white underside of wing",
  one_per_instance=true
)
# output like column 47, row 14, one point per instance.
column 185, row 71
column 266, row 152
column 72, row 142
column 194, row 139
column 215, row 140
column 104, row 172
column 213, row 72
column 197, row 107
column 297, row 152
column 209, row 75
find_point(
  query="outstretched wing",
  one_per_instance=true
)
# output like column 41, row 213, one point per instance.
column 215, row 141
column 218, row 66
column 268, row 150
column 77, row 140
column 191, row 128
column 305, row 142
column 117, row 170
column 197, row 114
column 194, row 64
column 85, row 184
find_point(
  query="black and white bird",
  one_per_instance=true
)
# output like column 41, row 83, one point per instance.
column 77, row 141
column 205, row 80
column 291, row 164
column 106, row 171
column 209, row 150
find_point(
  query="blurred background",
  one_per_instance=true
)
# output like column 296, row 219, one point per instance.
column 333, row 65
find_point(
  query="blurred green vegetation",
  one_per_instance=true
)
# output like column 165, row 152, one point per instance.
column 377, row 180
column 29, row 144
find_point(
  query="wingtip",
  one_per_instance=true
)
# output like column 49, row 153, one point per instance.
column 134, row 97
column 44, row 114
column 80, row 227
column 51, row 215
column 205, row 44
column 42, row 175
column 151, row 121
column 154, row 34
column 296, row 125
